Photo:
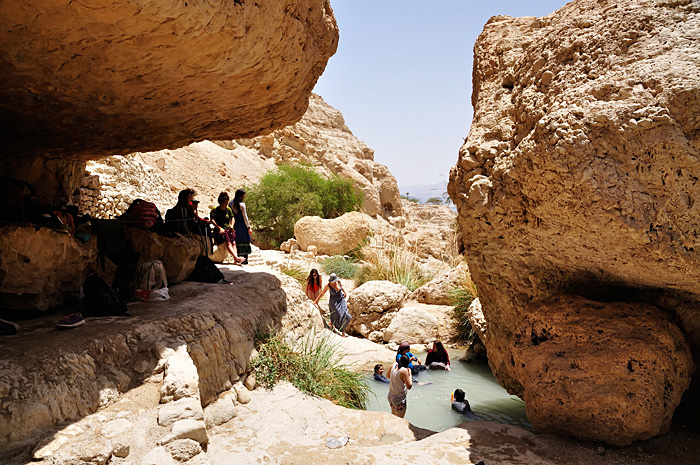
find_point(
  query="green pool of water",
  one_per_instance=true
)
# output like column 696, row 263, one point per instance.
column 429, row 405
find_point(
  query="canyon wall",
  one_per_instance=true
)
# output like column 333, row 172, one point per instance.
column 87, row 81
column 320, row 138
column 576, row 191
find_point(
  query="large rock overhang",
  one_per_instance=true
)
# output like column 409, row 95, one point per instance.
column 83, row 81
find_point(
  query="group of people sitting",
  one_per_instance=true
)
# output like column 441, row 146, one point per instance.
column 227, row 224
column 400, row 377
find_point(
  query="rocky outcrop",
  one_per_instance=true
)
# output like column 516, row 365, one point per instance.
column 438, row 290
column 337, row 236
column 430, row 230
column 323, row 139
column 569, row 350
column 579, row 172
column 85, row 82
column 195, row 347
column 40, row 267
column 373, row 305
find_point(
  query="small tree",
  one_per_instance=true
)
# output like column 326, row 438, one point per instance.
column 434, row 201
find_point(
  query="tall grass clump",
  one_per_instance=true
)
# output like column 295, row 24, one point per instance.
column 313, row 367
column 290, row 192
column 341, row 266
column 297, row 272
column 461, row 297
column 391, row 263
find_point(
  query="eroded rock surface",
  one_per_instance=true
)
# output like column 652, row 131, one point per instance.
column 568, row 351
column 336, row 236
column 40, row 267
column 373, row 305
column 91, row 81
column 580, row 166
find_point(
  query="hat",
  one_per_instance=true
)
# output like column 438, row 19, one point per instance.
column 195, row 201
column 404, row 345
column 333, row 278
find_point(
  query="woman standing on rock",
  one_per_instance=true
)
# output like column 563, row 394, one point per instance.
column 314, row 284
column 338, row 308
column 241, row 225
column 221, row 217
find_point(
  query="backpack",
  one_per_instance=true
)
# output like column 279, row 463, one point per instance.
column 151, row 276
column 205, row 271
column 101, row 300
column 141, row 214
column 176, row 220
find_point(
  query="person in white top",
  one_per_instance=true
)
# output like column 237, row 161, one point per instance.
column 400, row 382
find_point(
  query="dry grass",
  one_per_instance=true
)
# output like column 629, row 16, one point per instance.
column 392, row 263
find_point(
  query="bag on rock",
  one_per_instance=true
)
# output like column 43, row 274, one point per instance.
column 151, row 275
column 141, row 214
column 176, row 220
column 205, row 271
column 101, row 300
column 154, row 295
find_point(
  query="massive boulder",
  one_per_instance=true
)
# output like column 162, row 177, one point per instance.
column 336, row 236
column 41, row 267
column 570, row 350
column 438, row 290
column 112, row 77
column 373, row 305
column 580, row 170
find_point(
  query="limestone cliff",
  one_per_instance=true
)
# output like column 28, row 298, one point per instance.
column 579, row 176
column 320, row 138
column 85, row 81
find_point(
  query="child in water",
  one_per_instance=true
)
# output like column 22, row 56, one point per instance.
column 460, row 404
column 379, row 373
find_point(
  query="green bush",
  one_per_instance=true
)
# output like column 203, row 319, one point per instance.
column 297, row 272
column 337, row 264
column 290, row 192
column 313, row 368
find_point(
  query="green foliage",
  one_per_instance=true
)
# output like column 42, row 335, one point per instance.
column 392, row 263
column 297, row 272
column 434, row 201
column 286, row 194
column 408, row 197
column 461, row 297
column 314, row 368
column 344, row 268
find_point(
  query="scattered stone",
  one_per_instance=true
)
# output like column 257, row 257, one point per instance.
column 242, row 393
column 187, row 407
column 180, row 376
column 219, row 412
column 183, row 450
column 187, row 429
column 121, row 450
column 250, row 381
column 158, row 456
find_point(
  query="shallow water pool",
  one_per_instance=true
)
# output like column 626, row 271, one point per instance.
column 429, row 405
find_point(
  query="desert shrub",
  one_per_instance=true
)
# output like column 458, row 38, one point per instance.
column 391, row 263
column 314, row 367
column 434, row 201
column 461, row 297
column 290, row 192
column 343, row 267
column 408, row 197
column 297, row 272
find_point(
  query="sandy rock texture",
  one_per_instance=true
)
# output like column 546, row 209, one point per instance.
column 437, row 290
column 323, row 139
column 40, row 267
column 568, row 351
column 430, row 230
column 580, row 167
column 373, row 305
column 178, row 254
column 197, row 345
column 336, row 236
column 91, row 81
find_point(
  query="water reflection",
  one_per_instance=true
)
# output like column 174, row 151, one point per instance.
column 429, row 405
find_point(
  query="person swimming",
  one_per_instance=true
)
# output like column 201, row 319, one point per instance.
column 379, row 373
column 461, row 404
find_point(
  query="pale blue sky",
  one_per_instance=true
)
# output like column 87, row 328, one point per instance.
column 402, row 77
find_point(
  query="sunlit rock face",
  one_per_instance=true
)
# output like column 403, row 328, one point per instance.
column 580, row 172
column 85, row 81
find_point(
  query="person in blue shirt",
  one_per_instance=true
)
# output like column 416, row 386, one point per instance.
column 379, row 373
column 404, row 349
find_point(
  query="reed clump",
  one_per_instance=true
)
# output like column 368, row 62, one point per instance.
column 395, row 263
column 312, row 366
column 461, row 297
